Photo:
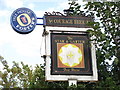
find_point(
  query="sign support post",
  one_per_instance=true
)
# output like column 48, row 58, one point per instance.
column 72, row 82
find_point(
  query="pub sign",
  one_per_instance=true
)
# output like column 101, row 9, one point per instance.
column 71, row 54
column 68, row 21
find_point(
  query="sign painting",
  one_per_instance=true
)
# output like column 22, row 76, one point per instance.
column 71, row 54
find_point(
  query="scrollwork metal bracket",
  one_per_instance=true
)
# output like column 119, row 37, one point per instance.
column 53, row 14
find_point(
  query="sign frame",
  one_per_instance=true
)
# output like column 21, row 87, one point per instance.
column 61, row 44
column 49, row 76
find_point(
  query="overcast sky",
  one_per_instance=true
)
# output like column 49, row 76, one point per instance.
column 26, row 48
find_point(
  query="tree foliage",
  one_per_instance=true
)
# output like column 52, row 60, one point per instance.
column 105, row 26
column 23, row 76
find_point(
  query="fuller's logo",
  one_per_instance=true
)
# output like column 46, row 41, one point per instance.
column 23, row 20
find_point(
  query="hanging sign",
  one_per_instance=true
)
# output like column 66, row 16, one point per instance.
column 68, row 21
column 23, row 20
column 71, row 54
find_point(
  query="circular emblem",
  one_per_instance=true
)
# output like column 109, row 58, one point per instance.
column 23, row 20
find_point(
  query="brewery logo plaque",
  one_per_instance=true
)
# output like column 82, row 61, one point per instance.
column 23, row 20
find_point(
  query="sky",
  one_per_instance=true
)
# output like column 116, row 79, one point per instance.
column 26, row 48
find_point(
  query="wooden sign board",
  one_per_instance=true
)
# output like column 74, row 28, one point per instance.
column 67, row 21
column 71, row 54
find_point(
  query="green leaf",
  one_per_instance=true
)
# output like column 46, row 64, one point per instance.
column 76, row 4
column 1, row 74
column 98, row 14
column 116, row 61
